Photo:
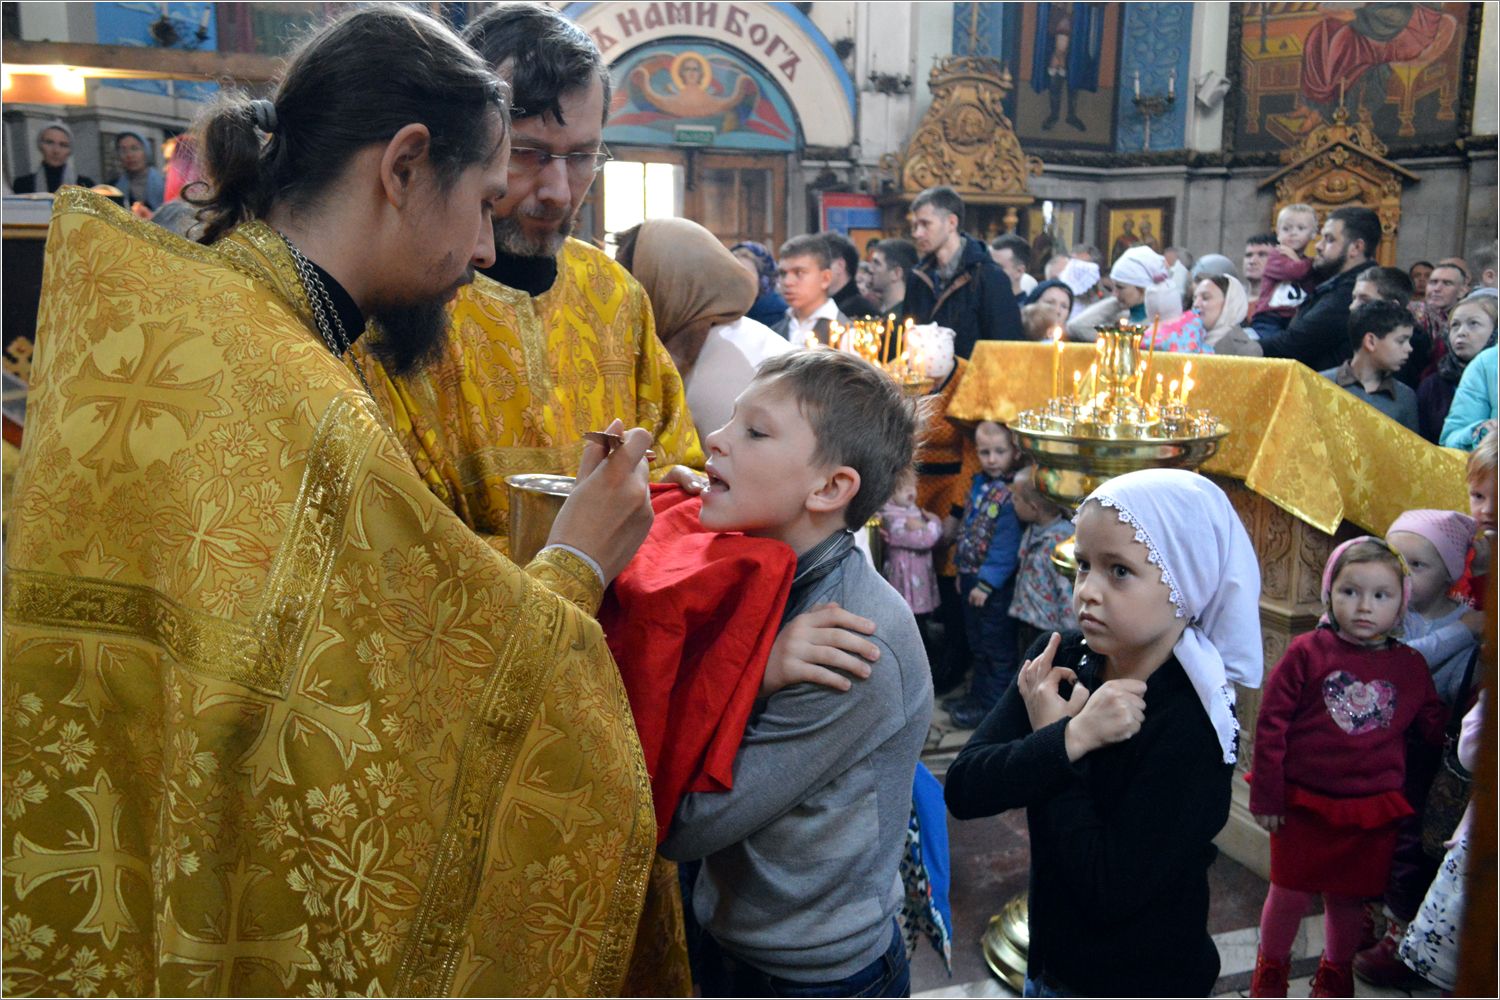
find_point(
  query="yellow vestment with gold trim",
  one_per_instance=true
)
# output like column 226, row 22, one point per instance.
column 275, row 721
column 519, row 382
column 523, row 377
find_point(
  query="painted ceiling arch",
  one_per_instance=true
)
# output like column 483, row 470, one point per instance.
column 777, row 37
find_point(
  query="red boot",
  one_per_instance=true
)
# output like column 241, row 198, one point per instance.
column 1381, row 966
column 1332, row 980
column 1269, row 979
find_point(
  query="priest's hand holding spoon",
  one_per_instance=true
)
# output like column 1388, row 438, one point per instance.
column 608, row 514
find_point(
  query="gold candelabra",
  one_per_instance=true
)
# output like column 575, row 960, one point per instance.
column 1116, row 417
column 884, row 343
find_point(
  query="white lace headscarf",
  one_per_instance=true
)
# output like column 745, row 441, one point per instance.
column 1207, row 562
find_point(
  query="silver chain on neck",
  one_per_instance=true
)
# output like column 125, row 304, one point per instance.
column 325, row 315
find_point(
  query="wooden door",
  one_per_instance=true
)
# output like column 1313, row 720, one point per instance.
column 734, row 196
column 739, row 197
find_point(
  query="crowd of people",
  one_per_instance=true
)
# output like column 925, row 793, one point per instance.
column 268, row 649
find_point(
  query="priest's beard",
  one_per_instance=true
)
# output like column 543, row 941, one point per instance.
column 409, row 338
column 511, row 238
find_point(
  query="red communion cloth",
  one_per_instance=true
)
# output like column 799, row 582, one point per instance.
column 691, row 622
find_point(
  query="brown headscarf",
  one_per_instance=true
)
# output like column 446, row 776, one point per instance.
column 693, row 283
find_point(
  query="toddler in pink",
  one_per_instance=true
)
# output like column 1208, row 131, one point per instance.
column 909, row 533
column 1330, row 761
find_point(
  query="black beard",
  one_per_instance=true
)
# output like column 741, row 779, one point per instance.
column 407, row 339
column 512, row 239
column 1325, row 271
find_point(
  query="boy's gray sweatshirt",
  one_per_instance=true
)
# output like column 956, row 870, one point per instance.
column 801, row 860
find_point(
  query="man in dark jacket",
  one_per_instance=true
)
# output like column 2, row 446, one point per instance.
column 1318, row 336
column 843, row 261
column 957, row 284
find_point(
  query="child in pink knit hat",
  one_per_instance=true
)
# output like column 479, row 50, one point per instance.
column 1435, row 545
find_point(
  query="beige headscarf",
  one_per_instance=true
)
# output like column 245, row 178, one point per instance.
column 1228, row 335
column 1232, row 316
column 693, row 283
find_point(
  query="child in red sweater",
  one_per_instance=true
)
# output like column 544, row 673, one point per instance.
column 1330, row 760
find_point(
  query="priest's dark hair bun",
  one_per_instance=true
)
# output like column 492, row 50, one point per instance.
column 355, row 82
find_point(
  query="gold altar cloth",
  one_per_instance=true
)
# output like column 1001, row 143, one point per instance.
column 1302, row 442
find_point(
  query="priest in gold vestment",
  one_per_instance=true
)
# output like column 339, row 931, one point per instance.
column 276, row 721
column 554, row 339
column 524, row 376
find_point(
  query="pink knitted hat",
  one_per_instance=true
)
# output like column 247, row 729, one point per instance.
column 1450, row 532
column 1333, row 560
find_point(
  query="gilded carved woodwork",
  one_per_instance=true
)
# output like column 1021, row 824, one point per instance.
column 1341, row 164
column 965, row 140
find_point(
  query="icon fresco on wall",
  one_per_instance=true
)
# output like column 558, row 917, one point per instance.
column 184, row 26
column 1142, row 223
column 1066, row 57
column 661, row 87
column 1401, row 66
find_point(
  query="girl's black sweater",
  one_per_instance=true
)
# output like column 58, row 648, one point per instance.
column 1121, row 840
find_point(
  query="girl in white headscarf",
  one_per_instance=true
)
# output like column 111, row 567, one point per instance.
column 1143, row 292
column 1120, row 742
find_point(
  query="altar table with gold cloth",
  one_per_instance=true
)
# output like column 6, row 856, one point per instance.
column 1312, row 448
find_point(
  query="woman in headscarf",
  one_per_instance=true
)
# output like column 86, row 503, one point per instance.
column 769, row 308
column 1220, row 303
column 1055, row 294
column 139, row 182
column 55, row 143
column 700, row 295
column 1120, row 742
column 1143, row 292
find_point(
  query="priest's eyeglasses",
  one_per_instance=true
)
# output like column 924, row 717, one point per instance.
column 529, row 159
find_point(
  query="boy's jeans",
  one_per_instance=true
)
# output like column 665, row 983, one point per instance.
column 887, row 976
column 992, row 641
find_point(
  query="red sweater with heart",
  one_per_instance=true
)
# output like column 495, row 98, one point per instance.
column 1334, row 717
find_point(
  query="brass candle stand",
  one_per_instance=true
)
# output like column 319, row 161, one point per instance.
column 1121, row 417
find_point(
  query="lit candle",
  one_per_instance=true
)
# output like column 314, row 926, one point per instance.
column 1187, row 380
column 1057, row 340
column 1137, row 82
column 1077, row 377
column 1157, row 397
column 1187, row 385
column 1172, row 83
column 1172, row 392
column 1093, row 379
column 885, row 338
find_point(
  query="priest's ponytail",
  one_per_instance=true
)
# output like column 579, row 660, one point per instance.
column 355, row 83
column 231, row 153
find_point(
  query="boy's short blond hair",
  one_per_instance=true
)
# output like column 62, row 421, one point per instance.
column 1299, row 208
column 859, row 418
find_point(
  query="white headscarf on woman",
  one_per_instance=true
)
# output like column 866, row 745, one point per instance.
column 1145, row 268
column 1232, row 316
column 69, row 173
column 1209, row 566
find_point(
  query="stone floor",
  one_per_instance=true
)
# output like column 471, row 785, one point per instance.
column 989, row 860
